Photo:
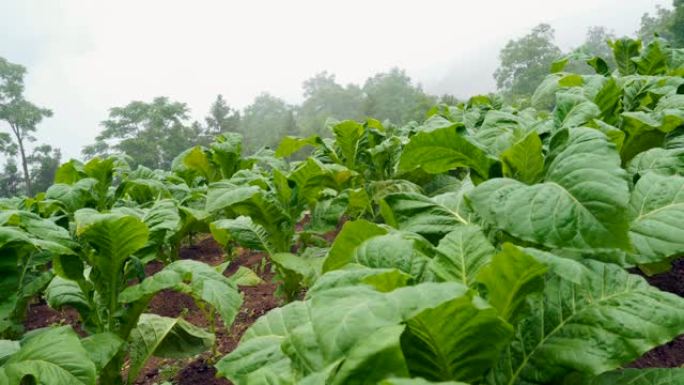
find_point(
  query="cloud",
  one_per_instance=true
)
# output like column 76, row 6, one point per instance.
column 85, row 57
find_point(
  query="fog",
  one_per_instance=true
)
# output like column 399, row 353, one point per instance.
column 84, row 57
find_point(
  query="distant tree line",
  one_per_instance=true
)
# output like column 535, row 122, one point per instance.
column 524, row 62
column 154, row 132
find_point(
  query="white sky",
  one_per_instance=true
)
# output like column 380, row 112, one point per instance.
column 86, row 56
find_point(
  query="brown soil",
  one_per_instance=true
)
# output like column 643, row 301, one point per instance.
column 40, row 315
column 670, row 355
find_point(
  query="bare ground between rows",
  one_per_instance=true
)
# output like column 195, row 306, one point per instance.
column 260, row 299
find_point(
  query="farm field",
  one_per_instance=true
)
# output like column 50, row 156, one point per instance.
column 528, row 243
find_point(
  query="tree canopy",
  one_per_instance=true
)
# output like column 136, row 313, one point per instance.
column 524, row 62
column 152, row 134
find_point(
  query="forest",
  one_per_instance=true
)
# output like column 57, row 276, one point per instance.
column 372, row 234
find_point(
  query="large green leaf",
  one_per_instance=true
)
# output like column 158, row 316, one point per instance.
column 457, row 340
column 226, row 151
column 251, row 201
column 400, row 250
column 524, row 160
column 573, row 110
column 75, row 196
column 163, row 221
column 195, row 278
column 419, row 214
column 604, row 320
column 102, row 347
column 658, row 160
column 294, row 272
column 500, row 129
column 38, row 227
column 62, row 292
column 461, row 255
column 49, row 357
column 623, row 52
column 348, row 135
column 243, row 231
column 380, row 350
column 653, row 59
column 652, row 376
column 446, row 148
column 646, row 130
column 581, row 203
column 113, row 238
column 290, row 145
column 312, row 176
column 333, row 328
column 510, row 278
column 353, row 233
column 164, row 337
column 657, row 206
column 382, row 280
column 609, row 101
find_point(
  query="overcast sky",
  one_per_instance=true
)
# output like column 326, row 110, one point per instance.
column 85, row 56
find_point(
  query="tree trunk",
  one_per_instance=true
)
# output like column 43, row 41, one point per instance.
column 24, row 162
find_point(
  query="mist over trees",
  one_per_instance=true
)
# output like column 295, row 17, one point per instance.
column 153, row 132
column 22, row 117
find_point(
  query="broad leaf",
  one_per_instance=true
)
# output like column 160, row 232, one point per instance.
column 580, row 204
column 50, row 357
column 446, row 148
column 102, row 347
column 348, row 239
column 419, row 214
column 164, row 337
column 195, row 278
column 657, row 206
column 605, row 320
column 510, row 278
column 457, row 340
column 243, row 231
column 524, row 160
column 461, row 255
column 652, row 376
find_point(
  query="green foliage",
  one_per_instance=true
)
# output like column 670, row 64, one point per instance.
column 21, row 115
column 222, row 118
column 525, row 61
column 326, row 99
column 489, row 244
column 47, row 356
column 152, row 134
column 391, row 96
column 265, row 121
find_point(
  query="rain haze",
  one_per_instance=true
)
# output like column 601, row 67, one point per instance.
column 84, row 57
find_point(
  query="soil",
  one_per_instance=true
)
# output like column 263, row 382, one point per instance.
column 260, row 299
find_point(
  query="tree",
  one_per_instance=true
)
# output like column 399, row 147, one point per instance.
column 222, row 118
column 44, row 162
column 393, row 96
column 676, row 27
column 21, row 115
column 10, row 179
column 266, row 121
column 152, row 134
column 324, row 99
column 657, row 24
column 526, row 61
